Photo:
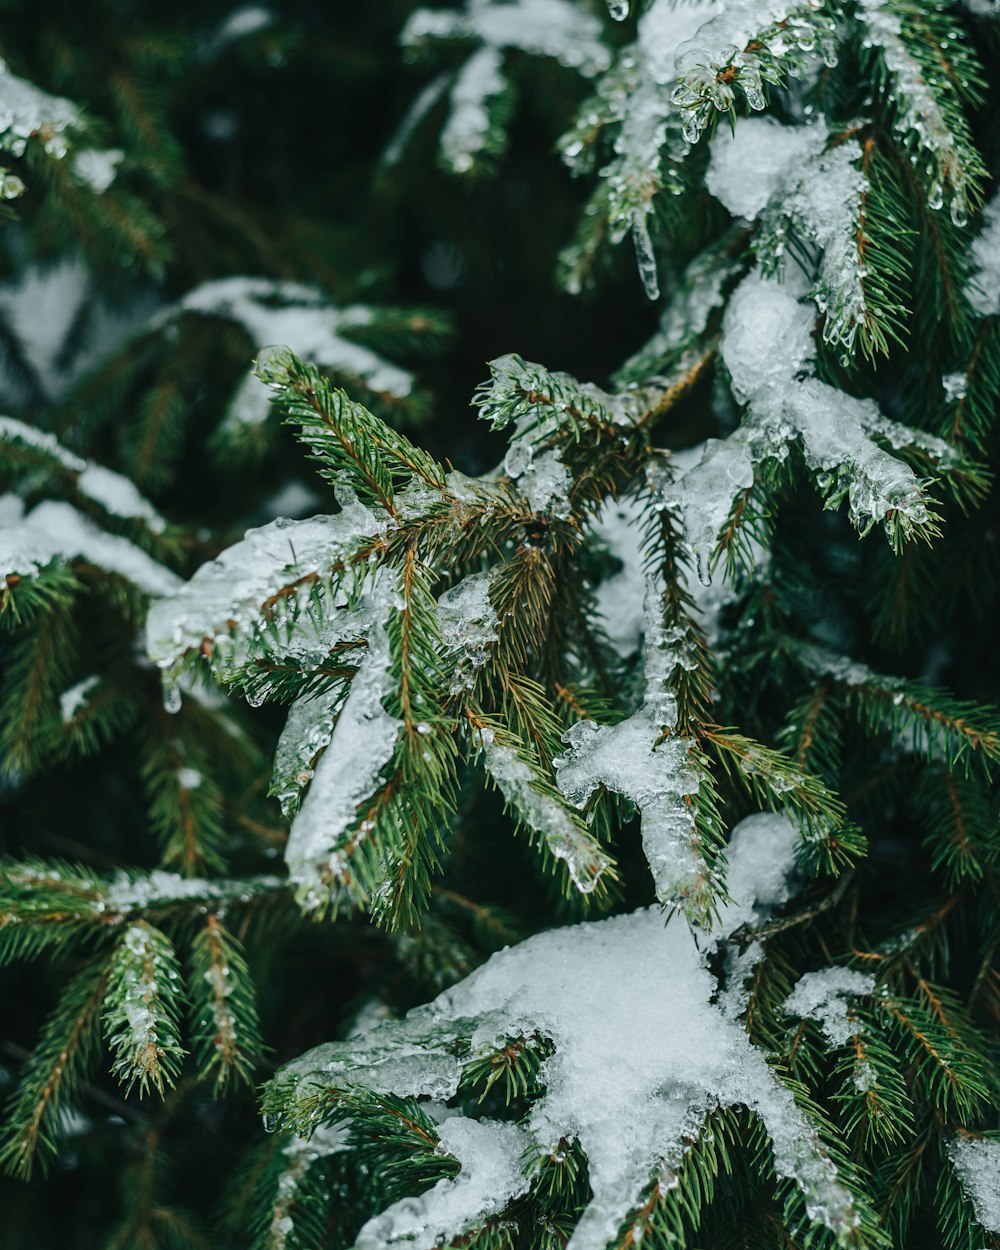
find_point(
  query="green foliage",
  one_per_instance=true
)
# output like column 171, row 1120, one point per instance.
column 178, row 935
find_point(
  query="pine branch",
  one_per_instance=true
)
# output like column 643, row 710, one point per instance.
column 65, row 1051
column 225, row 1029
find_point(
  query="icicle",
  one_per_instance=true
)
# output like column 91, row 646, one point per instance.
column 645, row 256
column 171, row 691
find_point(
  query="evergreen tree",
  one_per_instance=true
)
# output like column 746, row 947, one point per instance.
column 604, row 846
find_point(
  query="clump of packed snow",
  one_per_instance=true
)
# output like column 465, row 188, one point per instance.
column 786, row 176
column 97, row 167
column 751, row 165
column 76, row 697
column 641, row 1055
column 824, row 996
column 642, row 759
column 977, row 1162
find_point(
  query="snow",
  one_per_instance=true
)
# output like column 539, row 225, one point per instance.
column 57, row 530
column 983, row 289
column 227, row 593
column 652, row 768
column 767, row 347
column 750, row 166
column 547, row 28
column 977, row 1162
column 323, row 835
column 248, row 19
column 630, row 1095
column 565, row 838
column 301, row 318
column 26, row 110
column 478, row 83
column 823, row 996
column 73, row 699
column 115, row 493
column 766, row 337
column 97, row 167
column 618, row 598
column 44, row 302
column 422, row 104
column 551, row 28
column 468, row 624
column 784, row 173
column 491, row 1176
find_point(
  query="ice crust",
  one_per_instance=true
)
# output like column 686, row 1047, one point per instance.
column 918, row 117
column 565, row 839
column 824, row 996
column 468, row 624
column 128, row 893
column 977, row 1162
column 299, row 1155
column 641, row 1055
column 227, row 593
